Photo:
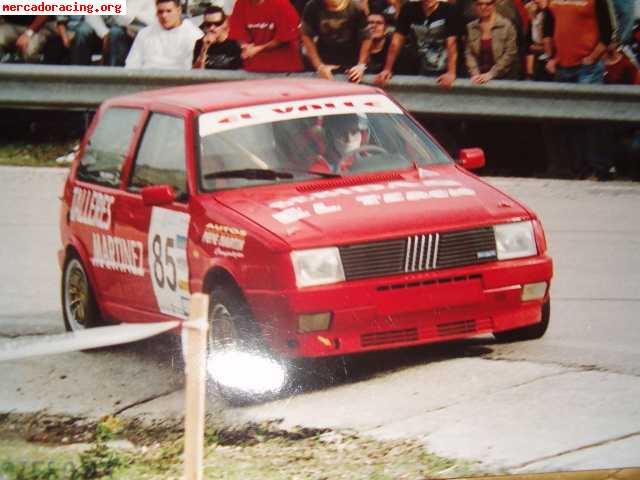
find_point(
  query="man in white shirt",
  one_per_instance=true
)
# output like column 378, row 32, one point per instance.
column 167, row 44
column 118, row 31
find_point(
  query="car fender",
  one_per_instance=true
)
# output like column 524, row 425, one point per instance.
column 215, row 270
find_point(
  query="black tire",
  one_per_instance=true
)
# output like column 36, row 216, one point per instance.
column 231, row 323
column 79, row 306
column 530, row 332
column 232, row 328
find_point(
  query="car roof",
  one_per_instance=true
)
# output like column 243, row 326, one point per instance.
column 223, row 95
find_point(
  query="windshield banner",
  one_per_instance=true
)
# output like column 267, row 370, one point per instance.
column 221, row 121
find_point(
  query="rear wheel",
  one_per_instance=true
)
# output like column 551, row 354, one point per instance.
column 79, row 306
column 530, row 332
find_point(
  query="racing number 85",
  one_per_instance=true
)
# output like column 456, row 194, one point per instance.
column 169, row 262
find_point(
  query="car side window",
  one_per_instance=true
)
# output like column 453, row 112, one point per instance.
column 104, row 154
column 161, row 156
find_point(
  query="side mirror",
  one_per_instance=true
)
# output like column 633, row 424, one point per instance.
column 157, row 195
column 471, row 158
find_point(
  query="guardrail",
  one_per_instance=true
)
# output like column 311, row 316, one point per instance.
column 84, row 88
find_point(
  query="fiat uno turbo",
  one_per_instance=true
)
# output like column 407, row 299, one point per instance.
column 319, row 216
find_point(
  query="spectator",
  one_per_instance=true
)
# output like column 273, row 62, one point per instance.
column 512, row 10
column 24, row 35
column 536, row 55
column 215, row 50
column 166, row 44
column 267, row 31
column 336, row 38
column 432, row 28
column 491, row 48
column 576, row 36
column 380, row 42
column 74, row 43
column 619, row 68
column 118, row 32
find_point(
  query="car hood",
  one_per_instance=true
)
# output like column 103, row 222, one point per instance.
column 373, row 206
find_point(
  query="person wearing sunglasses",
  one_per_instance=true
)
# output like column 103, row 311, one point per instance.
column 216, row 51
column 491, row 50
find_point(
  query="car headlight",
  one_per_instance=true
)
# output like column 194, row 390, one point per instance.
column 515, row 240
column 317, row 266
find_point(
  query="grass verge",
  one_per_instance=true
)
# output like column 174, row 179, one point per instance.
column 34, row 154
column 255, row 451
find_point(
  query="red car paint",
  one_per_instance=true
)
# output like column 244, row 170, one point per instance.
column 246, row 236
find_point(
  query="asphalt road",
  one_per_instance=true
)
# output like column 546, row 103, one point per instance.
column 566, row 402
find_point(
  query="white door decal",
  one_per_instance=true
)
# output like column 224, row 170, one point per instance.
column 168, row 266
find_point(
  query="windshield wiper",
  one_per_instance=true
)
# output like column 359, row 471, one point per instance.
column 320, row 174
column 250, row 174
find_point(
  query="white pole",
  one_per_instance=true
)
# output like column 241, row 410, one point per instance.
column 195, row 330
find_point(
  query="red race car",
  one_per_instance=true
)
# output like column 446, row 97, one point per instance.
column 320, row 217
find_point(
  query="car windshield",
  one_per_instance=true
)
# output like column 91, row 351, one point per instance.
column 297, row 140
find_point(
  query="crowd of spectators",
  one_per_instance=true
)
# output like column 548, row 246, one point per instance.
column 586, row 41
column 591, row 41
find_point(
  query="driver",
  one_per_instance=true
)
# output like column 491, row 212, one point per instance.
column 344, row 136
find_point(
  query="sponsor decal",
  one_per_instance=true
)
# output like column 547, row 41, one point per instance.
column 229, row 241
column 424, row 173
column 221, row 121
column 366, row 195
column 117, row 253
column 291, row 215
column 183, row 285
column 487, row 254
column 91, row 208
column 228, row 253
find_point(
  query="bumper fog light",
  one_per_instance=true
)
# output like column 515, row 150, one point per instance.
column 534, row 291
column 314, row 322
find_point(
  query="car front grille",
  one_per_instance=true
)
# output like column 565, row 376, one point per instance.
column 419, row 253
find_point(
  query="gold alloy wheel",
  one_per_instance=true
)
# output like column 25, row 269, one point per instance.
column 76, row 295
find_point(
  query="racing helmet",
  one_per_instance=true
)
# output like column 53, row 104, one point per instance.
column 345, row 133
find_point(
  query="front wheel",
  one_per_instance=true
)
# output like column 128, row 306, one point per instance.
column 241, row 366
column 530, row 332
column 79, row 306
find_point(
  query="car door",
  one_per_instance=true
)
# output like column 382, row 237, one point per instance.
column 160, row 159
column 96, row 198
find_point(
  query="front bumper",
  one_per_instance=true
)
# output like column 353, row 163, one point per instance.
column 391, row 312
